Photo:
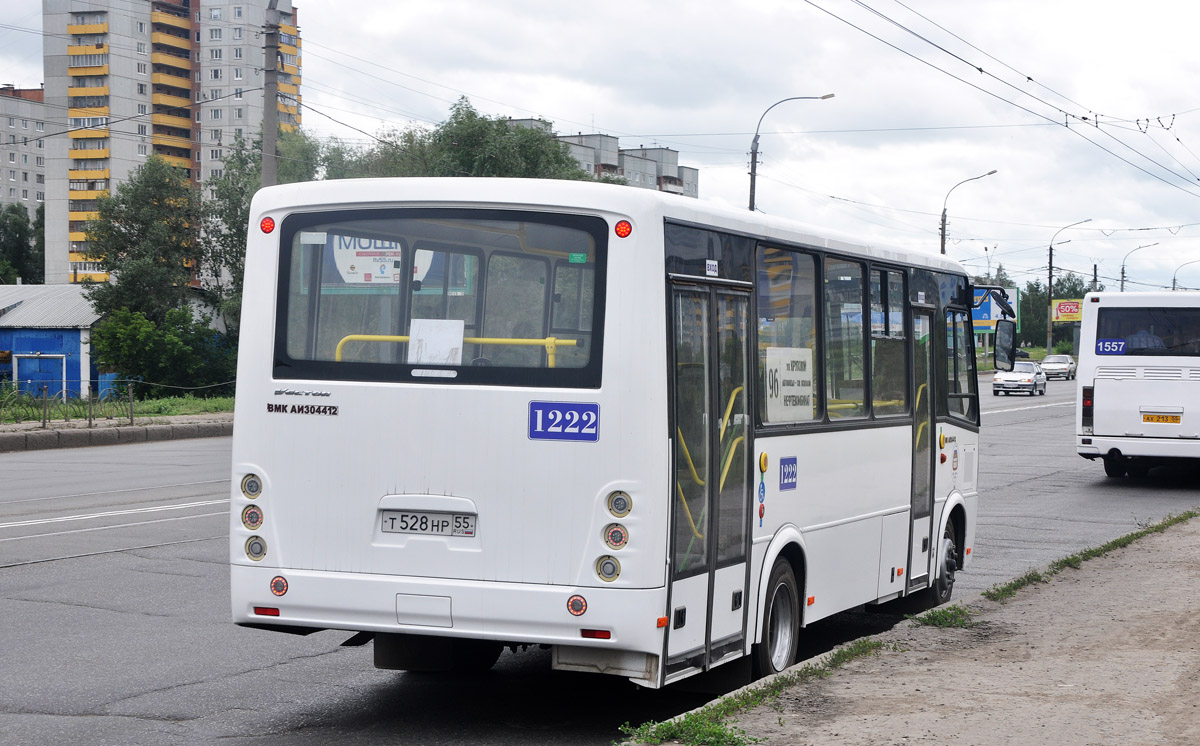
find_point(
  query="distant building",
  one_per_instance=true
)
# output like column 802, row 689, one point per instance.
column 647, row 168
column 45, row 339
column 22, row 147
column 129, row 78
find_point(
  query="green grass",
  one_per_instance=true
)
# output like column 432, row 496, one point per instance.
column 708, row 726
column 182, row 405
column 1005, row 591
column 953, row 615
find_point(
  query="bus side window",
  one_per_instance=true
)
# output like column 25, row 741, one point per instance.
column 787, row 337
column 844, row 339
column 889, row 366
column 571, row 310
column 515, row 308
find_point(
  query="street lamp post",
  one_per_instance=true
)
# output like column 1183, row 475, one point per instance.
column 754, row 144
column 956, row 186
column 1050, row 287
column 1181, row 266
column 1126, row 257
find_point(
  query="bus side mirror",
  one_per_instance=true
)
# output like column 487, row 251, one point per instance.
column 1005, row 351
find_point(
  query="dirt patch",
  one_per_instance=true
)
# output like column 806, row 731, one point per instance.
column 1108, row 653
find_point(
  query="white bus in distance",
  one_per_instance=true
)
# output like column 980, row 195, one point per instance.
column 1138, row 402
column 654, row 434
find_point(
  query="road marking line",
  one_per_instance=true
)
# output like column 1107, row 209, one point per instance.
column 115, row 525
column 1033, row 406
column 131, row 511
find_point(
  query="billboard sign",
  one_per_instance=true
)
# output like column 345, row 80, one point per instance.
column 1068, row 310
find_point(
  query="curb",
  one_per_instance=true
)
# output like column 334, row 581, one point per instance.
column 36, row 440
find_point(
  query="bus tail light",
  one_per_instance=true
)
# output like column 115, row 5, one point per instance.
column 256, row 548
column 279, row 585
column 1085, row 410
column 595, row 634
column 616, row 535
column 266, row 611
column 608, row 568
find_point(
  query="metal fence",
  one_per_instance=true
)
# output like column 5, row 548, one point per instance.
column 44, row 404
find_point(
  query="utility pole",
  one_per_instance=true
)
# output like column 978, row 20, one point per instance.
column 1095, row 278
column 270, row 122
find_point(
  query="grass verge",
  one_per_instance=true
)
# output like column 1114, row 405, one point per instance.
column 182, row 405
column 1003, row 592
column 708, row 726
column 953, row 615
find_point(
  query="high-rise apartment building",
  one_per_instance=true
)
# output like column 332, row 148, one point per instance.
column 129, row 78
column 22, row 147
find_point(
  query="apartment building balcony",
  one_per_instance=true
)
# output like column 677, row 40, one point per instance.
column 88, row 71
column 87, row 29
column 180, row 80
column 88, row 49
column 102, row 173
column 88, row 111
column 79, row 134
column 166, row 19
column 171, row 141
column 172, row 60
column 166, row 99
column 84, row 215
column 89, row 154
column 86, row 194
column 100, row 90
column 168, row 120
column 288, row 88
column 175, row 160
column 170, row 40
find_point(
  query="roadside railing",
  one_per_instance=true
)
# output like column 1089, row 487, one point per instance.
column 43, row 403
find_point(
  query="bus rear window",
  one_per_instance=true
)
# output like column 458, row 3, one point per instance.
column 441, row 296
column 1166, row 332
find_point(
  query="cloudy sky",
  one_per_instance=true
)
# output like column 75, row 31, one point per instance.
column 1087, row 109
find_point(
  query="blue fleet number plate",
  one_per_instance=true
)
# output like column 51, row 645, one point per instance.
column 428, row 524
column 556, row 420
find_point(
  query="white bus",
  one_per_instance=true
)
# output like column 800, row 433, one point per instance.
column 1138, row 402
column 651, row 433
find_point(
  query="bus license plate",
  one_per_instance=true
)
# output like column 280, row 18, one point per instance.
column 1168, row 419
column 428, row 524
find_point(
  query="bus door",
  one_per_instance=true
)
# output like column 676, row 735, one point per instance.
column 710, row 481
column 923, row 452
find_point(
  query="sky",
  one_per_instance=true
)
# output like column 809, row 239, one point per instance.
column 1086, row 110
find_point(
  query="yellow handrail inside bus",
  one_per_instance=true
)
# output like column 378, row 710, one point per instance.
column 688, row 511
column 729, row 458
column 920, row 390
column 729, row 408
column 550, row 343
column 688, row 455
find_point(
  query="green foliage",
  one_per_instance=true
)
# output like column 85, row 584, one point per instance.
column 953, row 615
column 180, row 351
column 226, row 212
column 708, row 726
column 145, row 238
column 16, row 246
column 1075, row 561
column 168, row 406
column 39, row 246
column 299, row 156
column 1064, row 347
column 466, row 144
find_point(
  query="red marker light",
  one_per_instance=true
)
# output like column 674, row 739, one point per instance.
column 577, row 605
column 279, row 585
column 266, row 611
column 623, row 228
column 267, row 225
column 595, row 634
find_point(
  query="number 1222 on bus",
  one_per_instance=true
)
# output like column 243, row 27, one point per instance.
column 579, row 421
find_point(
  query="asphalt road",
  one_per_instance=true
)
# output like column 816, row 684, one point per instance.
column 114, row 602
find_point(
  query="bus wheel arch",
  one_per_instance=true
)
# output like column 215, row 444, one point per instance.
column 781, row 610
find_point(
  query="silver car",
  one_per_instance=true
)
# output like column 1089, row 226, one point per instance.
column 1059, row 366
column 1026, row 376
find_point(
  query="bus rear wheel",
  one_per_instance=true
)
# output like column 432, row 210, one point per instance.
column 1114, row 466
column 781, row 622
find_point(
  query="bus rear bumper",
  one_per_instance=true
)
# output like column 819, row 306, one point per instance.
column 1093, row 447
column 507, row 612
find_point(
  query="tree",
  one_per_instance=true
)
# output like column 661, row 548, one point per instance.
column 39, row 245
column 466, row 144
column 299, row 156
column 226, row 213
column 145, row 238
column 181, row 351
column 16, row 244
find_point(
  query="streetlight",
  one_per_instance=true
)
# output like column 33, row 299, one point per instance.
column 956, row 186
column 754, row 145
column 1050, row 287
column 1126, row 257
column 1181, row 266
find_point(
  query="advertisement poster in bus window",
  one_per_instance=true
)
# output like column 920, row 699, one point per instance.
column 789, row 384
column 357, row 260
